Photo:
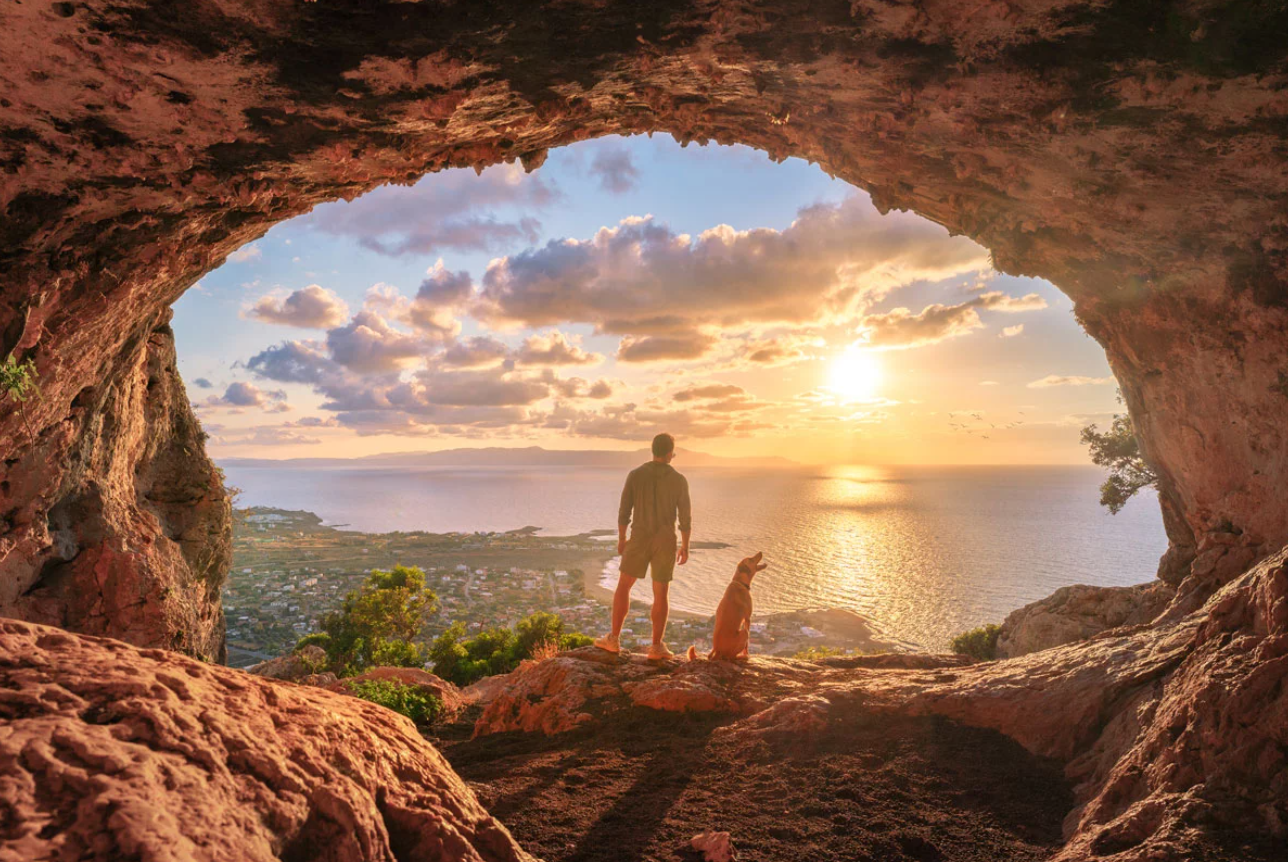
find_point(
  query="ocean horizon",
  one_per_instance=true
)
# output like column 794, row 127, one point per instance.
column 926, row 552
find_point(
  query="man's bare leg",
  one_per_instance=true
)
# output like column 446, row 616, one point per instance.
column 621, row 605
column 661, row 610
column 622, row 602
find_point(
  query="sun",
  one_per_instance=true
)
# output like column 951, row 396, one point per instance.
column 855, row 375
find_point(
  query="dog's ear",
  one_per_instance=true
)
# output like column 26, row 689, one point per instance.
column 756, row 561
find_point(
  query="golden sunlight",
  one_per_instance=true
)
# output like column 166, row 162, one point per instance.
column 855, row 375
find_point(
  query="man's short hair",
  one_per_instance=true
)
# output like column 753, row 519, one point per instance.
column 663, row 445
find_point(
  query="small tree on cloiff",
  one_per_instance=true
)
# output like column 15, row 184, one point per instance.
column 1118, row 451
column 378, row 622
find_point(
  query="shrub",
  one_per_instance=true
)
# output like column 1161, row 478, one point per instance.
column 403, row 699
column 980, row 643
column 464, row 660
column 18, row 384
column 318, row 639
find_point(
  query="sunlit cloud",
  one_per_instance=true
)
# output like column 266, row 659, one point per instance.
column 311, row 307
column 452, row 210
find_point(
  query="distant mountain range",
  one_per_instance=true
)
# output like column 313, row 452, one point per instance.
column 498, row 456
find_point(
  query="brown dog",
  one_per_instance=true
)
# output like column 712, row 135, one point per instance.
column 730, row 639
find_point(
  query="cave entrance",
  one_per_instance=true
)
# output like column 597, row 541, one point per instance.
column 914, row 412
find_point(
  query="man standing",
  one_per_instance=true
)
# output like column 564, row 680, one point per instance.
column 657, row 495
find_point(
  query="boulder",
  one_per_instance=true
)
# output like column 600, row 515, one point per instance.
column 292, row 667
column 1078, row 612
column 111, row 752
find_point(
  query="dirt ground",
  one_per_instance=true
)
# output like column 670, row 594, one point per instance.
column 640, row 785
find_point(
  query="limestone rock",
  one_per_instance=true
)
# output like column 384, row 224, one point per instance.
column 714, row 847
column 293, row 666
column 1078, row 612
column 113, row 752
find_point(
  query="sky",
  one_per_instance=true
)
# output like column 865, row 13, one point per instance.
column 626, row 287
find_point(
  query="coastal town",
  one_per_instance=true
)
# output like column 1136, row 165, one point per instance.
column 289, row 570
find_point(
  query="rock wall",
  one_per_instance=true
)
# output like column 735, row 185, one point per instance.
column 113, row 753
column 115, row 521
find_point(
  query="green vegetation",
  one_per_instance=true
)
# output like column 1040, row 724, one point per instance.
column 378, row 622
column 1118, row 451
column 816, row 652
column 18, row 384
column 404, row 699
column 980, row 643
column 464, row 660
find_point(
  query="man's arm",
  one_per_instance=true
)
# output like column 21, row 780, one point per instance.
column 686, row 523
column 624, row 515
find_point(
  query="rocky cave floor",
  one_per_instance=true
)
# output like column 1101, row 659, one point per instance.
column 639, row 785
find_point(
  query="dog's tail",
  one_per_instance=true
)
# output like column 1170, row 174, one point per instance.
column 692, row 654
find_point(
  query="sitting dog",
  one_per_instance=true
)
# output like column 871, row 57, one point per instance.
column 729, row 640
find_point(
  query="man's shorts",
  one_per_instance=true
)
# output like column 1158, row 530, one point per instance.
column 650, row 552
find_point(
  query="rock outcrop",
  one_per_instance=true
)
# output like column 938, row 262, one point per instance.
column 1130, row 153
column 1174, row 735
column 292, row 667
column 115, row 522
column 111, row 752
column 1078, row 612
column 585, row 685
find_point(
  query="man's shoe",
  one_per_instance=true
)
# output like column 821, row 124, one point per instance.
column 609, row 643
column 658, row 652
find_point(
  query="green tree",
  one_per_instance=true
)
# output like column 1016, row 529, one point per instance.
column 378, row 621
column 1118, row 451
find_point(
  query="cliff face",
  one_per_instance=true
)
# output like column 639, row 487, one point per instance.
column 1130, row 153
column 117, row 521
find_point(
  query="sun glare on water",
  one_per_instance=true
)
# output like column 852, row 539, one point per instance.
column 856, row 375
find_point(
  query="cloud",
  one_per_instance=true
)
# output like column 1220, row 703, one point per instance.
column 203, row 383
column 311, row 307
column 661, row 348
column 632, row 422
column 294, row 362
column 474, row 352
column 1011, row 331
column 241, row 395
column 245, row 254
column 267, row 435
column 367, row 343
column 478, row 389
column 641, row 279
column 553, row 348
column 1074, row 380
column 901, row 329
column 708, row 391
column 615, row 169
column 451, row 210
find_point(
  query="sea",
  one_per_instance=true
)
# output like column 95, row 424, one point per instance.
column 926, row 552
